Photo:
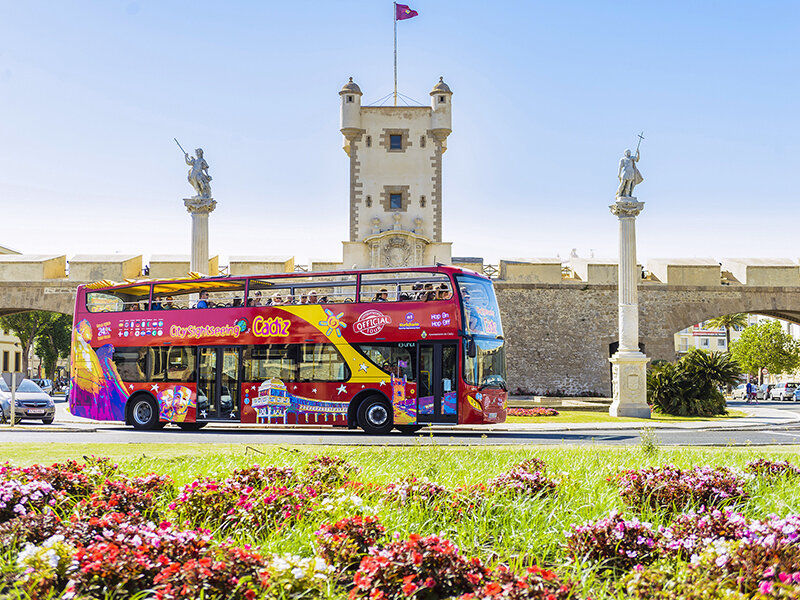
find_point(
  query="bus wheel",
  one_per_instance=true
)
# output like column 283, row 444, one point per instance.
column 375, row 416
column 408, row 429
column 191, row 426
column 143, row 413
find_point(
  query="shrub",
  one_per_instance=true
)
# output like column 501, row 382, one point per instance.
column 421, row 567
column 691, row 386
column 770, row 468
column 614, row 542
column 672, row 489
column 271, row 508
column 67, row 477
column 690, row 533
column 297, row 577
column 520, row 481
column 261, row 477
column 204, row 501
column 534, row 584
column 45, row 567
column 18, row 498
column 224, row 572
column 767, row 555
column 31, row 527
column 676, row 582
column 343, row 544
column 328, row 471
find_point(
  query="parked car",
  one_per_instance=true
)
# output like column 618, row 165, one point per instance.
column 765, row 391
column 32, row 403
column 45, row 384
column 740, row 391
column 784, row 391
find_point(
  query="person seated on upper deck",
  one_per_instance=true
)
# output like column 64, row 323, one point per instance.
column 312, row 297
column 290, row 299
column 428, row 294
column 156, row 304
column 303, row 298
column 418, row 293
column 443, row 293
column 203, row 302
column 381, row 296
column 255, row 300
column 167, row 303
column 237, row 302
column 277, row 299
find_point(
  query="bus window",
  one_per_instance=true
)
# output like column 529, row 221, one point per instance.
column 267, row 362
column 173, row 363
column 301, row 290
column 321, row 362
column 131, row 363
column 133, row 298
column 481, row 313
column 397, row 359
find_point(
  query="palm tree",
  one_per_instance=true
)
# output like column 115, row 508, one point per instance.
column 728, row 321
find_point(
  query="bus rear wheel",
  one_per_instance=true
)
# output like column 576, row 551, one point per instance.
column 191, row 426
column 143, row 413
column 375, row 416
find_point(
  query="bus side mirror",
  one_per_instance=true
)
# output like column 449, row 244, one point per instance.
column 472, row 350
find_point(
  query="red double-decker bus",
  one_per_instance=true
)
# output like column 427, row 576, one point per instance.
column 374, row 349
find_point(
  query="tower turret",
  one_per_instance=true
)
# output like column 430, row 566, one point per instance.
column 441, row 121
column 350, row 112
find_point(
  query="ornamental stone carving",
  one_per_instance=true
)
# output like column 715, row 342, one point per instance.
column 396, row 252
column 199, row 205
column 626, row 207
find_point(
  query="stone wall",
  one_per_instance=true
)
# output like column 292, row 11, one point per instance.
column 559, row 335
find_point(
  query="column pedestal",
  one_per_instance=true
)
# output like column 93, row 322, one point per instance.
column 629, row 366
column 199, row 208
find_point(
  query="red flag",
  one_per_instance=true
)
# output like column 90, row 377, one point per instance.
column 402, row 11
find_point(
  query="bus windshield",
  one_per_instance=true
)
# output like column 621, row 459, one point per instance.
column 481, row 313
column 488, row 368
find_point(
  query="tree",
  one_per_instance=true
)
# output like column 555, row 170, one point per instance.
column 766, row 345
column 728, row 321
column 691, row 386
column 53, row 342
column 26, row 326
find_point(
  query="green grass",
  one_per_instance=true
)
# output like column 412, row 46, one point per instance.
column 518, row 531
column 589, row 416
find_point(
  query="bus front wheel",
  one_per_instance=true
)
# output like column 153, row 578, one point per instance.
column 408, row 429
column 143, row 413
column 375, row 416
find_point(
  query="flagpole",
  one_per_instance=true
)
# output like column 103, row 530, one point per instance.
column 395, row 52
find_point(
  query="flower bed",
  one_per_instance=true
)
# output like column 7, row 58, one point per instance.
column 536, row 411
column 91, row 530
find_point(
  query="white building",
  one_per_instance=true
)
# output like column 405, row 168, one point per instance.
column 395, row 179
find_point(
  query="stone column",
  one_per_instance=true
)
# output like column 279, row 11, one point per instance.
column 200, row 208
column 629, row 366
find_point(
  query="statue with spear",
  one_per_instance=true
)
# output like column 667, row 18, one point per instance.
column 198, row 176
column 628, row 175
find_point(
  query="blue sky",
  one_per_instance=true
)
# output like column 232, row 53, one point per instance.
column 546, row 98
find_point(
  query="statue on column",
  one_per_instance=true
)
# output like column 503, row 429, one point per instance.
column 198, row 175
column 628, row 175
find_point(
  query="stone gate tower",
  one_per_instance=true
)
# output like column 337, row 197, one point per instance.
column 395, row 179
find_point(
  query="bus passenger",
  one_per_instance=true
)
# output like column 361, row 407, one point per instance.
column 237, row 302
column 277, row 299
column 382, row 296
column 303, row 298
column 289, row 299
column 443, row 292
column 429, row 294
column 168, row 304
column 203, row 303
column 418, row 293
column 255, row 300
column 312, row 297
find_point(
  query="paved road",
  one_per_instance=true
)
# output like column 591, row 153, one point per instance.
column 772, row 423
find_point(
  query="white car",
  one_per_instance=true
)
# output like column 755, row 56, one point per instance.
column 784, row 391
column 740, row 391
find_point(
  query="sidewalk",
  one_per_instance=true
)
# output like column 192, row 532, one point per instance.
column 758, row 417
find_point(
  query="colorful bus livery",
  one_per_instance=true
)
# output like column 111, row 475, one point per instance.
column 374, row 349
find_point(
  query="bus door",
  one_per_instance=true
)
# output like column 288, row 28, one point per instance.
column 218, row 384
column 437, row 382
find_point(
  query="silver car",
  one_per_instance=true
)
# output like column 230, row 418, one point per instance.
column 32, row 403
